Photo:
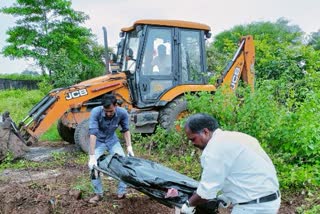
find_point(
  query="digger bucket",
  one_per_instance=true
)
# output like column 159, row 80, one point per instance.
column 10, row 139
column 6, row 119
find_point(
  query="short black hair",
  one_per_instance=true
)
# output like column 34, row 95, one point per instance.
column 197, row 122
column 108, row 100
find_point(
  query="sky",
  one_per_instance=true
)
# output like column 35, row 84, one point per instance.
column 219, row 15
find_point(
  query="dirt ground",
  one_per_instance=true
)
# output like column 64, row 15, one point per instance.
column 51, row 190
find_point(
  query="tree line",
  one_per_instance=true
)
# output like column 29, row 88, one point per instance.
column 51, row 33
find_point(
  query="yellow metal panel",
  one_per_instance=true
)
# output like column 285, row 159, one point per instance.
column 232, row 77
column 249, row 55
column 103, row 78
column 181, row 89
column 170, row 23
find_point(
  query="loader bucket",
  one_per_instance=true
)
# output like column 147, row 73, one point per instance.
column 10, row 141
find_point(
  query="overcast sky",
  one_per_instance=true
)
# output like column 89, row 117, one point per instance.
column 219, row 15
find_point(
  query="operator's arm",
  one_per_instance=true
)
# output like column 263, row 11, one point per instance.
column 155, row 61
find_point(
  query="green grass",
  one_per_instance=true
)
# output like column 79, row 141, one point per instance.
column 311, row 205
column 9, row 163
column 83, row 184
column 81, row 158
column 51, row 134
column 19, row 102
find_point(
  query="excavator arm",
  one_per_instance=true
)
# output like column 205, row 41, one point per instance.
column 57, row 102
column 241, row 65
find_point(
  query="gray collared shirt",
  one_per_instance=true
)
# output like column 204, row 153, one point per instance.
column 104, row 128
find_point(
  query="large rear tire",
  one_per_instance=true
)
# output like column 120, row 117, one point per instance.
column 172, row 112
column 66, row 133
column 81, row 135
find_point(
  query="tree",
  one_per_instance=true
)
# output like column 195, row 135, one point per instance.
column 314, row 40
column 280, row 51
column 29, row 72
column 46, row 30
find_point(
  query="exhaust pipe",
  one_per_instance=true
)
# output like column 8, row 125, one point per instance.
column 106, row 51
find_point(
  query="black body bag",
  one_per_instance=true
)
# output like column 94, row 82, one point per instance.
column 153, row 179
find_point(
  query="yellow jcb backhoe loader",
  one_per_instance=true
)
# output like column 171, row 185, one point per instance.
column 157, row 62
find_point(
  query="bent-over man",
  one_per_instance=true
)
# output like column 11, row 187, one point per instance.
column 234, row 164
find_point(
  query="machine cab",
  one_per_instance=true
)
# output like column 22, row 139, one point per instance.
column 159, row 55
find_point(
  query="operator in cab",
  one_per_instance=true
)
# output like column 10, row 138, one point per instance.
column 162, row 62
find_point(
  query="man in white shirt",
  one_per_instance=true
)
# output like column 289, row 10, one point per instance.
column 235, row 165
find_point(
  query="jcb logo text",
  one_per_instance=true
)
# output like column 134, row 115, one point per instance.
column 235, row 77
column 76, row 94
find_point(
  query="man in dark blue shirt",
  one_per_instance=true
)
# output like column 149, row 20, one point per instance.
column 103, row 122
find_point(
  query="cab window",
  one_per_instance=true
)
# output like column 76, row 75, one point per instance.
column 131, row 51
column 190, row 55
column 157, row 57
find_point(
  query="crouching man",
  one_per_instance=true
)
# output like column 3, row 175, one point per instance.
column 103, row 122
column 235, row 165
